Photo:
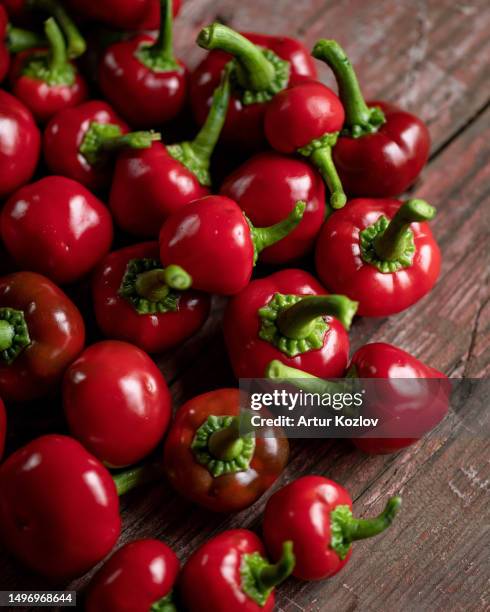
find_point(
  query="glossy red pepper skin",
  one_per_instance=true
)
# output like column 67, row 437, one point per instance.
column 59, row 510
column 386, row 163
column 341, row 267
column 3, row 428
column 135, row 396
column 56, row 227
column 64, row 135
column 56, row 330
column 211, row 579
column 388, row 362
column 229, row 492
column 244, row 123
column 42, row 99
column 20, row 144
column 118, row 319
column 153, row 179
column 250, row 355
column 267, row 187
column 125, row 15
column 4, row 52
column 137, row 576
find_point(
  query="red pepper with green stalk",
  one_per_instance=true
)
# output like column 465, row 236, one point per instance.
column 79, row 142
column 213, row 459
column 230, row 572
column 262, row 66
column 315, row 514
column 13, row 40
column 139, row 577
column 288, row 316
column 380, row 253
column 306, row 118
column 3, row 428
column 215, row 243
column 151, row 184
column 399, row 408
column 267, row 187
column 56, row 227
column 142, row 79
column 59, row 509
column 20, row 144
column 41, row 333
column 137, row 300
column 382, row 148
column 136, row 400
column 44, row 80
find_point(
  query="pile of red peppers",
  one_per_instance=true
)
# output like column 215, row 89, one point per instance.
column 132, row 190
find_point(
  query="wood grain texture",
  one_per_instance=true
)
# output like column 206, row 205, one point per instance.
column 431, row 56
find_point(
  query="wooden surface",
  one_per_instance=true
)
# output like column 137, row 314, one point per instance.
column 432, row 57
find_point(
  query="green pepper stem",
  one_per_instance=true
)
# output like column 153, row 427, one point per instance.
column 273, row 574
column 133, row 140
column 322, row 158
column 254, row 71
column 226, row 444
column 359, row 529
column 165, row 41
column 359, row 118
column 19, row 40
column 76, row 43
column 276, row 370
column 7, row 334
column 165, row 604
column 263, row 237
column 57, row 55
column 391, row 244
column 155, row 285
column 135, row 477
column 298, row 321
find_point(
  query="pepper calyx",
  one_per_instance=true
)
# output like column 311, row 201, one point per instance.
column 165, row 604
column 367, row 241
column 282, row 70
column 185, row 154
column 159, row 56
column 218, row 446
column 14, row 334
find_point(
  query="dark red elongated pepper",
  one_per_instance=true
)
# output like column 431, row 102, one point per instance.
column 55, row 226
column 41, row 333
column 59, row 510
column 307, row 118
column 136, row 400
column 315, row 514
column 210, row 461
column 44, row 80
column 215, row 243
column 3, row 428
column 263, row 66
column 267, row 187
column 134, row 302
column 151, row 184
column 288, row 316
column 382, row 149
column 20, row 144
column 234, row 574
column 78, row 142
column 142, row 79
column 380, row 253
column 138, row 577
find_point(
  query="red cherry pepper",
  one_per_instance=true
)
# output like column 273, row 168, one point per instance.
column 214, row 242
column 232, row 573
column 13, row 40
column 138, row 577
column 307, row 118
column 382, row 149
column 142, row 79
column 3, row 428
column 41, row 333
column 78, row 141
column 288, row 316
column 267, row 187
column 55, row 226
column 209, row 460
column 263, row 66
column 134, row 302
column 379, row 253
column 45, row 80
column 151, row 184
column 315, row 513
column 59, row 510
column 136, row 400
column 20, row 143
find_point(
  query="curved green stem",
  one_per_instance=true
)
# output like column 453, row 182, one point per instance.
column 226, row 443
column 273, row 574
column 159, row 56
column 263, row 237
column 76, row 43
column 392, row 243
column 196, row 154
column 154, row 285
column 276, row 370
column 135, row 477
column 19, row 40
column 58, row 57
column 101, row 138
column 360, row 119
column 322, row 158
column 7, row 334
